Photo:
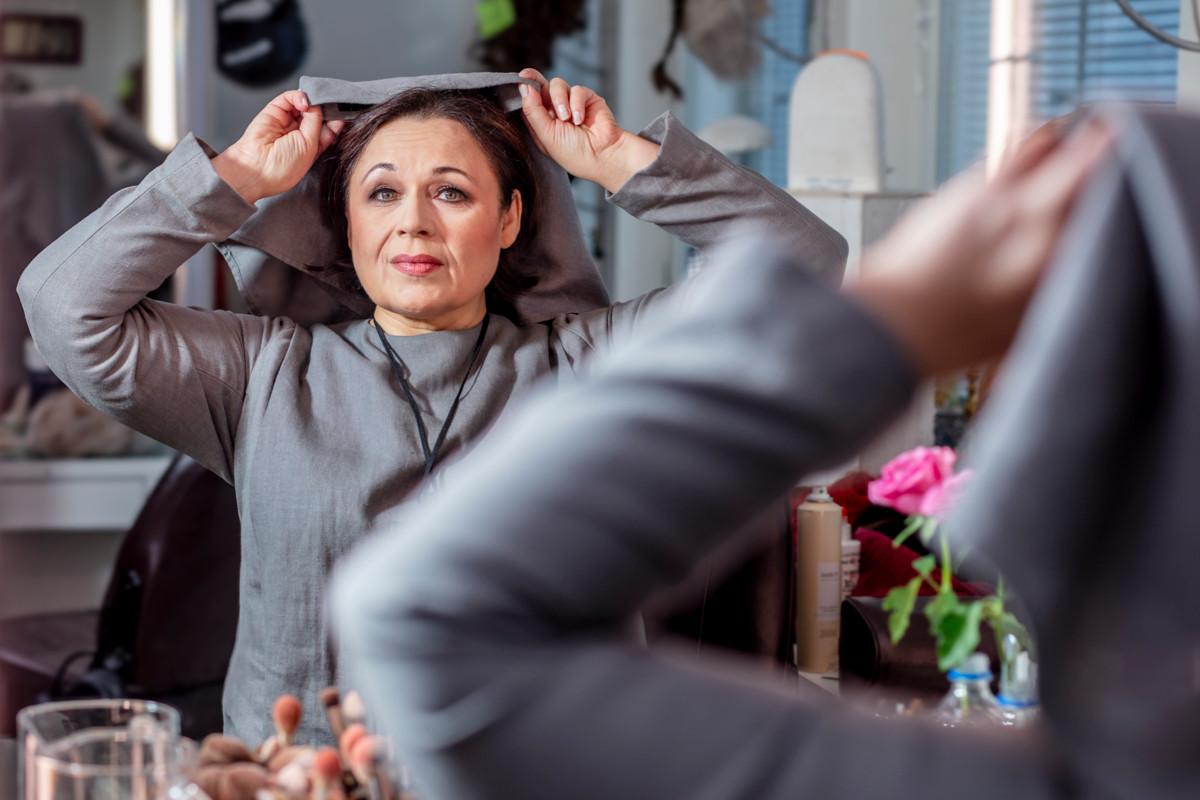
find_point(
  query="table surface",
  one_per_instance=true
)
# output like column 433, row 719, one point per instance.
column 8, row 769
column 825, row 681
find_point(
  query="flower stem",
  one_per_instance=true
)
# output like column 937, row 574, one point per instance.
column 945, row 561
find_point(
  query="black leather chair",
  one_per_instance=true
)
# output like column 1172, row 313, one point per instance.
column 166, row 627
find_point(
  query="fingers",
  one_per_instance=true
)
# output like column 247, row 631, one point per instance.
column 556, row 93
column 1029, row 152
column 311, row 125
column 580, row 97
column 537, row 116
column 533, row 75
column 329, row 133
column 1060, row 178
column 287, row 109
column 560, row 98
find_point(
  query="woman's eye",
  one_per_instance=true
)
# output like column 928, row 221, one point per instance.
column 383, row 194
column 450, row 194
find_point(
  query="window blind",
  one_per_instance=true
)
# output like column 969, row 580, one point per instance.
column 1088, row 50
column 1082, row 51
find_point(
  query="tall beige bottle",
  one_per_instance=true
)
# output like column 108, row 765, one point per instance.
column 818, row 581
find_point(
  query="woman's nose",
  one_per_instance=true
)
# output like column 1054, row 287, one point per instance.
column 412, row 217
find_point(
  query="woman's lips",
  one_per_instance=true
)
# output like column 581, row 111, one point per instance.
column 416, row 266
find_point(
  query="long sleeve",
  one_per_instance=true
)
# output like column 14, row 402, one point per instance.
column 696, row 194
column 177, row 374
column 497, row 662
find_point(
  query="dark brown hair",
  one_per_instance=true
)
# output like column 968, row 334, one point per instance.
column 498, row 135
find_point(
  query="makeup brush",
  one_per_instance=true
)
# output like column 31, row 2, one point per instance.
column 291, row 755
column 331, row 700
column 327, row 772
column 293, row 780
column 353, row 709
column 363, row 763
column 286, row 714
column 380, row 774
column 350, row 737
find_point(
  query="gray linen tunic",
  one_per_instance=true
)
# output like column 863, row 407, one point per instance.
column 308, row 422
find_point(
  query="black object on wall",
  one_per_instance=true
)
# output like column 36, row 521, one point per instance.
column 529, row 41
column 260, row 42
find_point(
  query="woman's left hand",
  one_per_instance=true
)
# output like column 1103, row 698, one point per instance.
column 574, row 126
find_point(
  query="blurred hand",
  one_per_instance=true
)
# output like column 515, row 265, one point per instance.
column 954, row 277
column 278, row 147
column 574, row 126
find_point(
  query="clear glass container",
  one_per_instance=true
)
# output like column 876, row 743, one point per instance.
column 102, row 749
column 100, row 764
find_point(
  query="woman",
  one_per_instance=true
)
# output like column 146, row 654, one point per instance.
column 323, row 430
column 679, row 441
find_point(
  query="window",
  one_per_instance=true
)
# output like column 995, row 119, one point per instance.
column 963, row 108
column 1038, row 59
column 1088, row 50
column 771, row 86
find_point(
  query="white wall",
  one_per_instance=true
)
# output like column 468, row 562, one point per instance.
column 362, row 40
column 640, row 255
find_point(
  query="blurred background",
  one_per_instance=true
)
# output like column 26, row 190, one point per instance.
column 905, row 94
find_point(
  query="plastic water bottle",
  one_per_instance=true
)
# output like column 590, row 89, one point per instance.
column 970, row 700
column 1018, row 698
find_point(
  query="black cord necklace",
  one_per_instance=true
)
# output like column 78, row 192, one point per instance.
column 431, row 454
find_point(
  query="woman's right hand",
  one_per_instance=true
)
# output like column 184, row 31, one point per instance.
column 953, row 278
column 278, row 147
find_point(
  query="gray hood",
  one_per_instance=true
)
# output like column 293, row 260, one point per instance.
column 287, row 242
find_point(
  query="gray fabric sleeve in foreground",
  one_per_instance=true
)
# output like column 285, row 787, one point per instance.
column 484, row 633
column 174, row 373
column 695, row 193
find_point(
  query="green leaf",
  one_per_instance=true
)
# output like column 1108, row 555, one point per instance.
column 957, row 635
column 900, row 602
column 494, row 17
column 924, row 565
column 993, row 608
column 943, row 603
column 914, row 523
column 928, row 529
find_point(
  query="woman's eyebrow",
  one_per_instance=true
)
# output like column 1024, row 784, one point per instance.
column 443, row 170
column 390, row 167
column 387, row 165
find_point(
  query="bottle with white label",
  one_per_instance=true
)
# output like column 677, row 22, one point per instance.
column 851, row 555
column 818, row 581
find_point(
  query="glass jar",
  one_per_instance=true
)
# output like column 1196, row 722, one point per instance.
column 103, row 749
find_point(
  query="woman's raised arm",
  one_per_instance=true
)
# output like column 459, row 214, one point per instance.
column 174, row 373
column 667, row 176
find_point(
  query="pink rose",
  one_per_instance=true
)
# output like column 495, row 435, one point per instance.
column 908, row 477
column 940, row 499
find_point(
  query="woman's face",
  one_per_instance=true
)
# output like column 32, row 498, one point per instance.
column 426, row 225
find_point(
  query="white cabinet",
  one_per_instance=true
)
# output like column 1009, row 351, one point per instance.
column 90, row 494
